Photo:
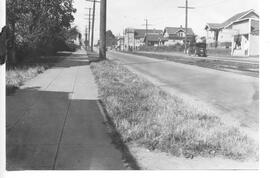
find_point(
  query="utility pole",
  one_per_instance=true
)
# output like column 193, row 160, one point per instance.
column 89, row 26
column 3, row 39
column 186, row 26
column 86, row 37
column 123, row 48
column 93, row 22
column 93, row 26
column 146, row 31
column 127, row 31
column 102, row 39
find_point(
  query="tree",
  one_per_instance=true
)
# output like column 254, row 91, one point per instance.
column 38, row 26
column 110, row 39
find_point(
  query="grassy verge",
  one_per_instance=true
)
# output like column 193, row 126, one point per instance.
column 145, row 114
column 17, row 74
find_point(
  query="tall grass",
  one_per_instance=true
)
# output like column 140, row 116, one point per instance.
column 17, row 75
column 145, row 114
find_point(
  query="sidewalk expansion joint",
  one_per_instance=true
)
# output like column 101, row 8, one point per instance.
column 64, row 124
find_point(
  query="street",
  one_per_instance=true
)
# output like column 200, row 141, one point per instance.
column 252, row 60
column 54, row 122
column 233, row 95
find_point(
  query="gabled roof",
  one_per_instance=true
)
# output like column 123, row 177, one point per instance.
column 217, row 26
column 154, row 38
column 171, row 30
column 140, row 33
column 236, row 17
column 189, row 30
column 174, row 30
column 214, row 25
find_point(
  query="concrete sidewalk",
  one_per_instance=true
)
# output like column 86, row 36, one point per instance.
column 54, row 122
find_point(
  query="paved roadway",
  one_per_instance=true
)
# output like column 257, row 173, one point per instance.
column 249, row 60
column 233, row 95
column 54, row 122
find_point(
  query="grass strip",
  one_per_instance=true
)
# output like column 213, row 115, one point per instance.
column 145, row 114
column 17, row 74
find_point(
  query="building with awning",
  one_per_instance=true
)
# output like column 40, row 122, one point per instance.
column 245, row 42
column 221, row 34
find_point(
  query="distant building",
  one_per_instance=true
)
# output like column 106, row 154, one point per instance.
column 221, row 34
column 154, row 40
column 245, row 42
column 120, row 43
column 134, row 38
column 176, row 35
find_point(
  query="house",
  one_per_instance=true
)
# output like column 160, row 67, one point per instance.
column 120, row 43
column 220, row 34
column 245, row 42
column 134, row 38
column 176, row 35
column 154, row 39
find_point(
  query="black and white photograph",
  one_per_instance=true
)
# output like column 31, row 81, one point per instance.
column 130, row 85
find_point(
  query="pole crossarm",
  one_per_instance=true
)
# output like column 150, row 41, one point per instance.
column 93, row 1
column 183, row 7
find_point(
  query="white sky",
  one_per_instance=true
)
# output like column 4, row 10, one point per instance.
column 161, row 13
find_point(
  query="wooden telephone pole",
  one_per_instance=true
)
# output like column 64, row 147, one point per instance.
column 102, row 33
column 89, row 27
column 93, row 26
column 86, row 37
column 186, row 26
column 93, row 23
column 146, row 31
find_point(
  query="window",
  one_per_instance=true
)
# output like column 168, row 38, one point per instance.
column 181, row 34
